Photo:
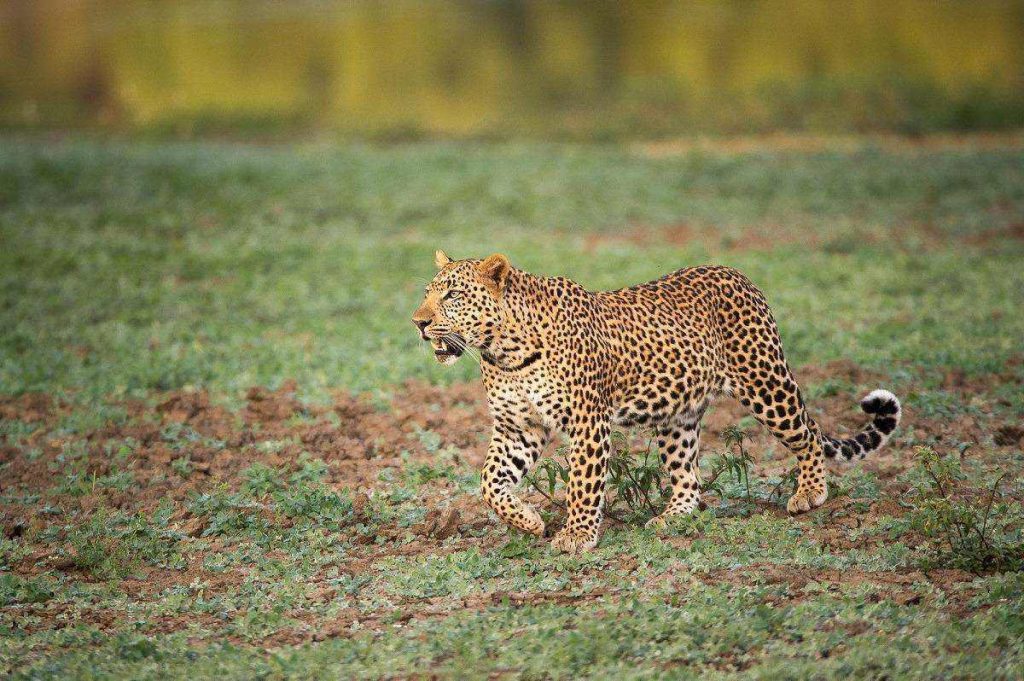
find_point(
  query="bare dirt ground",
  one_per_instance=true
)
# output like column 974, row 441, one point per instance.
column 363, row 438
column 359, row 439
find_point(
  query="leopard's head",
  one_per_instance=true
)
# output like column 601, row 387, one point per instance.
column 461, row 305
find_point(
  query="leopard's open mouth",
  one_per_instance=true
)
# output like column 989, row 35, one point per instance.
column 447, row 351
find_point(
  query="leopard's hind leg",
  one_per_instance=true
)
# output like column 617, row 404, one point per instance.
column 775, row 401
column 755, row 372
column 679, row 444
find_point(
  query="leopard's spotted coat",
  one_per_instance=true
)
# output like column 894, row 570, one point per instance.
column 556, row 357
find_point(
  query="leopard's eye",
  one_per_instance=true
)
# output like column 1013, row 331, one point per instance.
column 453, row 294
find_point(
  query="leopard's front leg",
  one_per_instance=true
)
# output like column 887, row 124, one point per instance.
column 588, row 466
column 513, row 450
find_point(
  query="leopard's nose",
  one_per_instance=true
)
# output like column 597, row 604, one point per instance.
column 421, row 324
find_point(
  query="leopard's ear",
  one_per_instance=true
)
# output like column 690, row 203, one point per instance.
column 441, row 258
column 495, row 271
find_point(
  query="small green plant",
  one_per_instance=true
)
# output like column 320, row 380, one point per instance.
column 735, row 462
column 182, row 466
column 121, row 481
column 634, row 476
column 974, row 530
column 112, row 545
column 15, row 589
column 417, row 474
column 519, row 545
column 695, row 524
column 430, row 440
column 310, row 469
column 261, row 479
column 313, row 501
column 179, row 436
column 546, row 477
column 227, row 513
column 787, row 482
column 133, row 648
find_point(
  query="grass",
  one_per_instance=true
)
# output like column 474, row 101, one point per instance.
column 146, row 539
column 141, row 267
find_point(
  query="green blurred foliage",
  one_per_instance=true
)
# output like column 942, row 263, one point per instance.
column 571, row 69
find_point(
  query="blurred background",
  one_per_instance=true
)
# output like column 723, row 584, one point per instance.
column 511, row 68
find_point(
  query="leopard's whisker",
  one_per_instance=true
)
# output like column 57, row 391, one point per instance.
column 463, row 346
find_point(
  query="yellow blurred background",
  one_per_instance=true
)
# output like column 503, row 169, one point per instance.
column 521, row 68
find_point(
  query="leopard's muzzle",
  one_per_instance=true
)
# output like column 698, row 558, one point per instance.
column 448, row 348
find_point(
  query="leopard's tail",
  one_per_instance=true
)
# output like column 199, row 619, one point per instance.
column 885, row 411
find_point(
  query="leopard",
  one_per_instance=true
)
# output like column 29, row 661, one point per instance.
column 557, row 358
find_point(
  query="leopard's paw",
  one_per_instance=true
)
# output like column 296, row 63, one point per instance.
column 806, row 499
column 530, row 521
column 671, row 514
column 660, row 522
column 574, row 542
column 657, row 522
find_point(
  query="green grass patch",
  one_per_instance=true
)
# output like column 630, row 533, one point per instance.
column 132, row 268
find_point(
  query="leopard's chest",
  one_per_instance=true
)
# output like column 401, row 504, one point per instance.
column 542, row 397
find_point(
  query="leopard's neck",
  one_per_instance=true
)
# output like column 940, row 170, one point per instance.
column 526, row 328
